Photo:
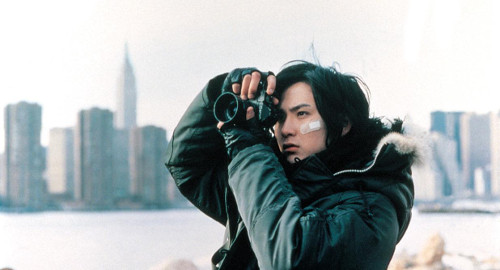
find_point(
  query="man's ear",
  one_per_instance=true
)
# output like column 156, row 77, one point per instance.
column 346, row 126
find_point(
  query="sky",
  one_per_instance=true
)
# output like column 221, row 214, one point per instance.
column 416, row 56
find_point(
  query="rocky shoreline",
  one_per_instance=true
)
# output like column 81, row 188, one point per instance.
column 432, row 256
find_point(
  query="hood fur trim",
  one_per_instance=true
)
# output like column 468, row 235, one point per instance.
column 405, row 145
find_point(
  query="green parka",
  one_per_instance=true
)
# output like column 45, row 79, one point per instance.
column 312, row 219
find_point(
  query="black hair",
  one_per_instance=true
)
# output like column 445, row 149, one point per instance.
column 340, row 98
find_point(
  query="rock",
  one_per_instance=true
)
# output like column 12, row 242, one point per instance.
column 433, row 257
column 432, row 252
column 401, row 262
column 434, row 266
column 491, row 263
column 177, row 264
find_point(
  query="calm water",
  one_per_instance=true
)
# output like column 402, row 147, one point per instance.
column 141, row 240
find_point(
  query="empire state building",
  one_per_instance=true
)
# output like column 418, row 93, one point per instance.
column 127, row 96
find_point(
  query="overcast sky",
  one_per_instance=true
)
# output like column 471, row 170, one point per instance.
column 416, row 56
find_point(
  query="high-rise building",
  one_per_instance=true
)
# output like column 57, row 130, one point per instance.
column 22, row 182
column 448, row 179
column 495, row 153
column 448, row 124
column 125, row 120
column 60, row 162
column 148, row 173
column 2, row 170
column 94, row 158
column 447, row 152
column 121, row 167
column 476, row 148
column 127, row 96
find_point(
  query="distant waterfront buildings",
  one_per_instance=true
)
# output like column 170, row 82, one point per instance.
column 495, row 154
column 476, row 145
column 22, row 185
column 60, row 162
column 448, row 124
column 104, row 162
column 93, row 158
column 121, row 163
column 466, row 154
column 148, row 174
column 126, row 112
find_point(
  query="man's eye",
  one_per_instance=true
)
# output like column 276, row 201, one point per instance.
column 301, row 113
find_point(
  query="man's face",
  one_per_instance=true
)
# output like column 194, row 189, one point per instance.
column 298, row 110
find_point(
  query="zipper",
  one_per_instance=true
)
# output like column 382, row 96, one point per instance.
column 361, row 170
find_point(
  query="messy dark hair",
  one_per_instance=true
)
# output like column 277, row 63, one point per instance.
column 340, row 99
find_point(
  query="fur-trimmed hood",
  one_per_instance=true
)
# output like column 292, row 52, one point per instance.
column 404, row 145
column 406, row 148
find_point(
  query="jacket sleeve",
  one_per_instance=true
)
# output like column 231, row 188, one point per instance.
column 196, row 155
column 283, row 235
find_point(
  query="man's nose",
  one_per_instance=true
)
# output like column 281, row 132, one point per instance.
column 287, row 128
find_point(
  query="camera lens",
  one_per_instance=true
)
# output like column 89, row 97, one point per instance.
column 228, row 108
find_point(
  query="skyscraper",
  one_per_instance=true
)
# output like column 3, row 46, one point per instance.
column 127, row 96
column 448, row 124
column 448, row 180
column 148, row 174
column 495, row 153
column 448, row 151
column 60, row 162
column 94, row 158
column 121, row 167
column 476, row 148
column 22, row 183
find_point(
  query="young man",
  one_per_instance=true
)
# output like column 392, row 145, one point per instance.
column 331, row 190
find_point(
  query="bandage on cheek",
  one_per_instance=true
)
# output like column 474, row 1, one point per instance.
column 310, row 127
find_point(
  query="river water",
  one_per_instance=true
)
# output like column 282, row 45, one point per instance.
column 144, row 239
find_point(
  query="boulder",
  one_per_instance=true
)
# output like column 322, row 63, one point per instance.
column 176, row 264
column 432, row 252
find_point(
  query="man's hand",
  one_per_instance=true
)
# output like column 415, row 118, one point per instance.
column 245, row 83
column 250, row 83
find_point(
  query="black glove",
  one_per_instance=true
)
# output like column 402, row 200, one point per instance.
column 236, row 76
column 240, row 137
column 247, row 132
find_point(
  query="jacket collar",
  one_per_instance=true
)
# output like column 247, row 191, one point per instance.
column 393, row 147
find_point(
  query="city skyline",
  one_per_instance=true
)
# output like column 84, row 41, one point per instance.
column 105, row 161
column 416, row 56
column 465, row 150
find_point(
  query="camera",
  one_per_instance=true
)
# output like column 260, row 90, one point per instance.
column 231, row 109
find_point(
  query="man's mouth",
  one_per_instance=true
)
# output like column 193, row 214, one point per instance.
column 289, row 147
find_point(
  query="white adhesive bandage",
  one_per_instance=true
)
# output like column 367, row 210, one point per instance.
column 310, row 127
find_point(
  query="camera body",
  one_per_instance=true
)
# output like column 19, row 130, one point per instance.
column 231, row 109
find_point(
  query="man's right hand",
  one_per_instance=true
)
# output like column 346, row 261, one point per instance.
column 245, row 82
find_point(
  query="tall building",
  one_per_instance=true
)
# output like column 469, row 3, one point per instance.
column 121, row 167
column 448, row 124
column 94, row 158
column 125, row 121
column 127, row 96
column 476, row 149
column 2, row 170
column 448, row 178
column 22, row 182
column 495, row 154
column 60, row 162
column 148, row 173
column 447, row 152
